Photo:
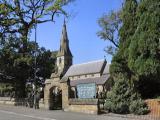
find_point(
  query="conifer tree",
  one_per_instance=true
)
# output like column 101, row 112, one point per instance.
column 123, row 98
column 129, row 21
column 144, row 49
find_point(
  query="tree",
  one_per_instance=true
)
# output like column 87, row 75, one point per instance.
column 129, row 25
column 122, row 100
column 20, row 16
column 123, row 92
column 14, row 64
column 144, row 49
column 110, row 25
column 45, row 63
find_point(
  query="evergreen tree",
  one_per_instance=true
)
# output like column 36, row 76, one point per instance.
column 123, row 97
column 144, row 50
column 123, row 100
column 129, row 21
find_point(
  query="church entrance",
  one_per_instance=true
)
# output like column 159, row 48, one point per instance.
column 56, row 98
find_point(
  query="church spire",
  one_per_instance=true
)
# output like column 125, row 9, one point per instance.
column 64, row 56
column 64, row 45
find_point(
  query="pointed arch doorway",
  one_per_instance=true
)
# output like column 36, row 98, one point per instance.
column 55, row 98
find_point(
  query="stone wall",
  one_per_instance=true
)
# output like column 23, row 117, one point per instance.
column 89, row 109
column 89, row 106
column 7, row 101
column 12, row 101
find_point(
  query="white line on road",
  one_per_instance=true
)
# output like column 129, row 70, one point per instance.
column 29, row 116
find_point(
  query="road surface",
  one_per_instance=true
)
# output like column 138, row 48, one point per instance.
column 23, row 113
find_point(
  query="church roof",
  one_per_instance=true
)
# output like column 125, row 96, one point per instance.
column 106, row 69
column 97, row 80
column 86, row 68
column 64, row 45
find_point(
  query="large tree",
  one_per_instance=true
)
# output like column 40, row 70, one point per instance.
column 123, row 97
column 129, row 25
column 21, row 69
column 136, row 64
column 144, row 49
column 19, row 16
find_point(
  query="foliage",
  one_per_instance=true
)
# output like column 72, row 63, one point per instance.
column 144, row 50
column 21, row 67
column 128, row 16
column 110, row 25
column 123, row 100
column 124, row 97
column 20, row 16
column 135, row 67
column 118, row 97
column 17, row 18
column 138, row 107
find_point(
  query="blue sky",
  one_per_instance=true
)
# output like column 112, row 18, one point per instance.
column 82, row 27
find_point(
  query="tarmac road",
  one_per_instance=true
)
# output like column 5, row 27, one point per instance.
column 23, row 113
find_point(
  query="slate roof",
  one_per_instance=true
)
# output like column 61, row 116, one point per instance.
column 106, row 69
column 86, row 68
column 98, row 80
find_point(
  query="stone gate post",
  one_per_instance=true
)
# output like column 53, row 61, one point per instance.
column 65, row 86
column 47, row 101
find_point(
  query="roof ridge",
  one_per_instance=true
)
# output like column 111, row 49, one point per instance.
column 89, row 62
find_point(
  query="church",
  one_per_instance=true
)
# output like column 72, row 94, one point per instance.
column 82, row 81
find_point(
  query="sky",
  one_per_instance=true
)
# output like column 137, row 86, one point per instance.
column 82, row 27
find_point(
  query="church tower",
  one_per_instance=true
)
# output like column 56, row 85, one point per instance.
column 64, row 56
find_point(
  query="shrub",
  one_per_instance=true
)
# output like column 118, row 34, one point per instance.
column 108, row 105
column 138, row 107
column 120, row 108
column 123, row 99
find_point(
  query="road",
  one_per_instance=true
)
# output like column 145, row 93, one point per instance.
column 23, row 113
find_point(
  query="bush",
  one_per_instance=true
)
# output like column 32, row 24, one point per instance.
column 117, row 98
column 120, row 108
column 109, row 106
column 138, row 107
column 123, row 99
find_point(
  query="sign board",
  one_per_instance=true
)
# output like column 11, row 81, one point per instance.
column 86, row 90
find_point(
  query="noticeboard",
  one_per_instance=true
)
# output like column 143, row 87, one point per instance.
column 86, row 90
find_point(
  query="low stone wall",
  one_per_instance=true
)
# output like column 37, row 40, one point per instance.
column 7, row 101
column 41, row 104
column 89, row 109
column 89, row 106
column 18, row 102
column 13, row 101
